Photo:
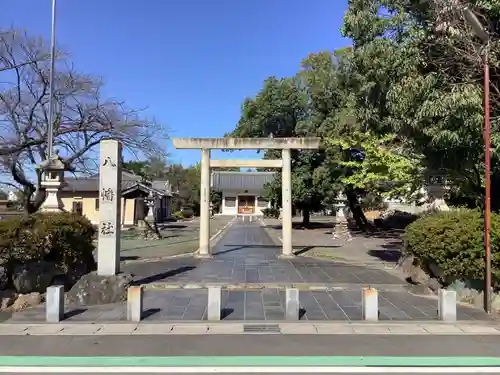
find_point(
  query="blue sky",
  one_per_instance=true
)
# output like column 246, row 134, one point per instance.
column 190, row 62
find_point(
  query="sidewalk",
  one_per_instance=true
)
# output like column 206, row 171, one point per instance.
column 247, row 328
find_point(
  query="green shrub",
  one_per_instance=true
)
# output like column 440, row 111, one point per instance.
column 187, row 213
column 65, row 239
column 271, row 212
column 395, row 219
column 454, row 242
column 178, row 215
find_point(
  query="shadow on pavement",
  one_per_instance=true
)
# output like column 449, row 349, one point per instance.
column 150, row 312
column 73, row 313
column 240, row 247
column 300, row 226
column 388, row 255
column 155, row 243
column 305, row 249
column 163, row 275
column 225, row 312
column 124, row 258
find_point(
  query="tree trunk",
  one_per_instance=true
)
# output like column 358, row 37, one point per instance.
column 357, row 213
column 32, row 205
column 306, row 216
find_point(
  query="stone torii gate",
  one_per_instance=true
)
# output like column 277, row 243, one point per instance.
column 283, row 144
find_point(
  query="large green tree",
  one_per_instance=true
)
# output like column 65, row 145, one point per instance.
column 281, row 109
column 406, row 98
column 318, row 102
column 416, row 72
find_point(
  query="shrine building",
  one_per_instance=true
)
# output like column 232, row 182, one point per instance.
column 242, row 192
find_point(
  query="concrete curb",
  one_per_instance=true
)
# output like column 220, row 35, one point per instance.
column 156, row 259
column 310, row 287
column 238, row 328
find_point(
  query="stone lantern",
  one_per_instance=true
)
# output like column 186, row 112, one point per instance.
column 150, row 203
column 340, row 206
column 168, row 187
column 341, row 227
column 435, row 182
column 52, row 171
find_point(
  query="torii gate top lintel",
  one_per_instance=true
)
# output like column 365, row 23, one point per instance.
column 247, row 143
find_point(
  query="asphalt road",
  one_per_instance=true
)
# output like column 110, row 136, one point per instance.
column 215, row 351
column 252, row 345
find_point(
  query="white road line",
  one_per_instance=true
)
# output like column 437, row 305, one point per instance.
column 270, row 369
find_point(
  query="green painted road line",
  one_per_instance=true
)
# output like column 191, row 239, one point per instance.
column 344, row 361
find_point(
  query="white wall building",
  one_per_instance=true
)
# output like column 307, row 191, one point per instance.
column 242, row 192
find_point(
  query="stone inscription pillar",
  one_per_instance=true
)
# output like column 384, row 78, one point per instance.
column 110, row 182
column 205, row 204
column 286, row 186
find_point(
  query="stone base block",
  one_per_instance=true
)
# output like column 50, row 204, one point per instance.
column 54, row 309
column 135, row 297
column 214, row 304
column 447, row 305
column 370, row 304
column 292, row 306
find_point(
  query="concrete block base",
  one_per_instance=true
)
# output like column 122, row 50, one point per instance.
column 287, row 256
column 370, row 304
column 292, row 307
column 447, row 305
column 135, row 297
column 54, row 309
column 214, row 304
column 203, row 256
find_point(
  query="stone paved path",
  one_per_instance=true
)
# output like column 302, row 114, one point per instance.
column 246, row 254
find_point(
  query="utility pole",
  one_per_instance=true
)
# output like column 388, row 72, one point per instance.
column 482, row 34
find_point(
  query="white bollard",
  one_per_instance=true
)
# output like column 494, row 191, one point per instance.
column 214, row 303
column 134, row 303
column 370, row 304
column 447, row 305
column 292, row 307
column 54, row 306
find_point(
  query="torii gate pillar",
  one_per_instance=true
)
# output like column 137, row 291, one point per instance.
column 284, row 144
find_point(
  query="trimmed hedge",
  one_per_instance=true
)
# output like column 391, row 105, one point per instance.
column 186, row 213
column 271, row 212
column 66, row 239
column 177, row 215
column 395, row 219
column 454, row 242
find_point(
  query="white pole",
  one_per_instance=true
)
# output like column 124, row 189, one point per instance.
column 50, row 127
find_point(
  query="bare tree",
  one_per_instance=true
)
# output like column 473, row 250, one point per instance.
column 8, row 64
column 82, row 116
